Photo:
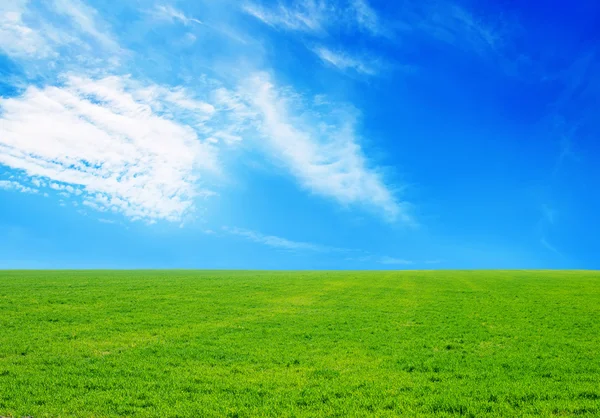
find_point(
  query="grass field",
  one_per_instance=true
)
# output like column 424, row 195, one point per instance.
column 240, row 344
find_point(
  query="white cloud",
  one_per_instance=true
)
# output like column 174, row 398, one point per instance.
column 450, row 23
column 344, row 61
column 65, row 188
column 438, row 20
column 27, row 32
column 368, row 257
column 367, row 18
column 16, row 37
column 14, row 185
column 228, row 137
column 317, row 16
column 550, row 247
column 121, row 149
column 142, row 149
column 174, row 101
column 320, row 149
column 278, row 242
column 171, row 14
column 307, row 16
column 393, row 260
column 549, row 214
column 38, row 183
column 84, row 18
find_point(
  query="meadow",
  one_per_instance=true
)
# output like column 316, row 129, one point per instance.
column 299, row 344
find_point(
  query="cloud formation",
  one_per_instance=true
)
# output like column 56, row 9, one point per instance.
column 321, row 19
column 26, row 33
column 83, row 17
column 450, row 23
column 318, row 16
column 15, row 185
column 171, row 14
column 304, row 16
column 17, row 38
column 320, row 149
column 290, row 245
column 145, row 149
column 367, row 18
column 140, row 149
column 113, row 143
column 394, row 260
column 277, row 242
column 344, row 61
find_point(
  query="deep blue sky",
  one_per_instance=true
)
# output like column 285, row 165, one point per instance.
column 352, row 134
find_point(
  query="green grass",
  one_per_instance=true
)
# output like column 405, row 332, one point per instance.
column 218, row 343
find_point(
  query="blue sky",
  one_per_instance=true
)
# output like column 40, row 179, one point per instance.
column 341, row 134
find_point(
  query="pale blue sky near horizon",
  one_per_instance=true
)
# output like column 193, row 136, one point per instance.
column 308, row 134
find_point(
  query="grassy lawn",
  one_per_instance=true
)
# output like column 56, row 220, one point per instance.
column 241, row 344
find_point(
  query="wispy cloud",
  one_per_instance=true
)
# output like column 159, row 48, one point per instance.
column 321, row 149
column 290, row 245
column 171, row 14
column 550, row 247
column 278, row 242
column 570, row 120
column 452, row 24
column 59, row 33
column 344, row 61
column 145, row 149
column 548, row 219
column 493, row 38
column 84, row 18
column 15, row 185
column 368, row 257
column 573, row 113
column 548, row 214
column 567, row 132
column 367, row 18
column 317, row 17
column 393, row 260
column 16, row 37
column 306, row 16
column 107, row 139
column 26, row 39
